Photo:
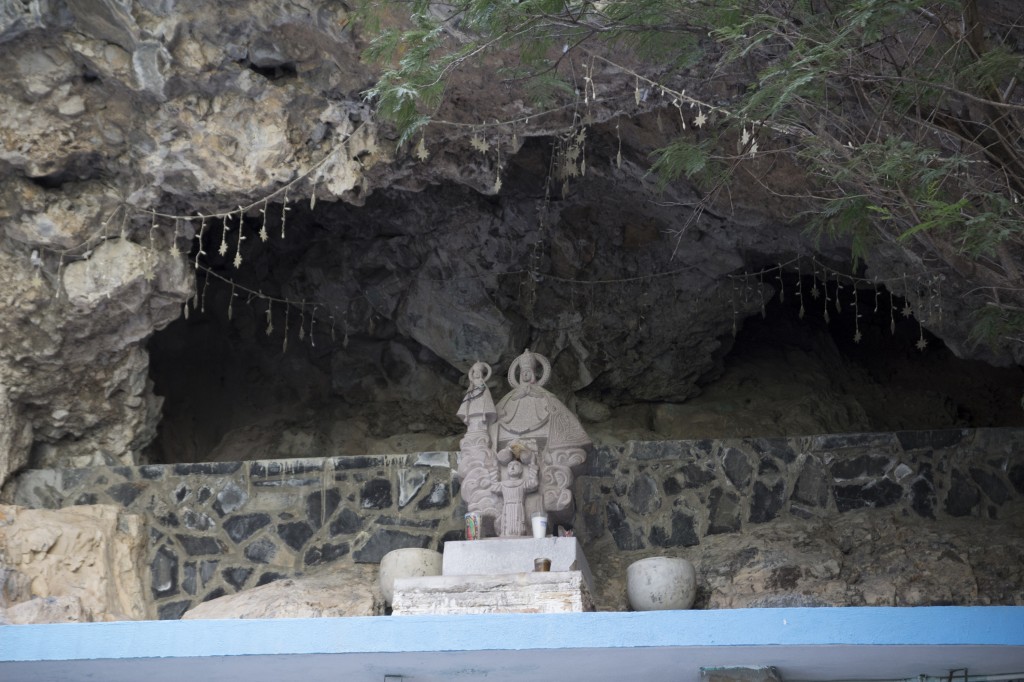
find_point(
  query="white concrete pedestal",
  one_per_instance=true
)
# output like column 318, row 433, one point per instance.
column 495, row 556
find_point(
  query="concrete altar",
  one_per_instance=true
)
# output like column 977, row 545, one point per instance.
column 496, row 575
column 495, row 556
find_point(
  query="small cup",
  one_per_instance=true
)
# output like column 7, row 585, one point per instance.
column 474, row 529
column 541, row 565
column 540, row 524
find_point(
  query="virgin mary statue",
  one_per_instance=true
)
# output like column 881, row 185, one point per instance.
column 529, row 412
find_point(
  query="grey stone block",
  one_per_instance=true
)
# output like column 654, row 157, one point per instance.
column 738, row 468
column 230, row 499
column 261, row 552
column 873, row 494
column 236, row 576
column 196, row 545
column 963, row 496
column 348, row 522
column 126, row 493
column 433, row 459
column 626, row 537
column 437, row 499
column 813, row 485
column 164, row 573
column 410, row 481
column 385, row 540
column 174, row 610
column 295, row 534
column 767, row 502
column 376, row 494
column 243, row 526
column 684, row 532
column 724, row 512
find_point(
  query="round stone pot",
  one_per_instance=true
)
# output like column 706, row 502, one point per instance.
column 410, row 562
column 661, row 583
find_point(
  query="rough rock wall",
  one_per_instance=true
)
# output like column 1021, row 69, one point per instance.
column 116, row 109
column 75, row 564
column 912, row 518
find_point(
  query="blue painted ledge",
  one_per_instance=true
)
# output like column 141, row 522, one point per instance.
column 594, row 645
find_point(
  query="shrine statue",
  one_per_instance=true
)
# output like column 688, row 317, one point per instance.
column 530, row 428
column 477, row 406
column 520, row 478
column 477, row 458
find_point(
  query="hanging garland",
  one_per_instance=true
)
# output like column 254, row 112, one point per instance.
column 567, row 161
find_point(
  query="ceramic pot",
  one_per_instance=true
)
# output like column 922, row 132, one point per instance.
column 661, row 583
column 410, row 562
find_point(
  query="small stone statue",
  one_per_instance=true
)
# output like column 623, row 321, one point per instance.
column 477, row 459
column 477, row 408
column 529, row 428
column 520, row 478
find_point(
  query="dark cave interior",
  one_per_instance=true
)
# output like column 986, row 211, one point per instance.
column 348, row 379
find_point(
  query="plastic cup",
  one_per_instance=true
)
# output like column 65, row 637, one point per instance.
column 540, row 525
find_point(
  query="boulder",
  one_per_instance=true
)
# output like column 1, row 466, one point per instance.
column 62, row 609
column 459, row 324
column 351, row 591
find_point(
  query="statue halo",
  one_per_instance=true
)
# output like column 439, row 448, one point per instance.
column 487, row 367
column 545, row 364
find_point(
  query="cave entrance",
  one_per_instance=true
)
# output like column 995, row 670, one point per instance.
column 332, row 373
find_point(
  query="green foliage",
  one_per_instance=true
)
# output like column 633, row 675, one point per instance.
column 848, row 215
column 420, row 56
column 938, row 214
column 656, row 30
column 682, row 158
column 545, row 89
column 994, row 325
column 908, row 121
column 998, row 223
column 418, row 81
column 994, row 68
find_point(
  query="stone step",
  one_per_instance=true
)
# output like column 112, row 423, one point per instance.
column 543, row 592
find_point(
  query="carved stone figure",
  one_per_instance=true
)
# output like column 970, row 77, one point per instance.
column 477, row 408
column 520, row 478
column 477, row 458
column 529, row 426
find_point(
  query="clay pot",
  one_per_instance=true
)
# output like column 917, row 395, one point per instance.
column 410, row 562
column 661, row 583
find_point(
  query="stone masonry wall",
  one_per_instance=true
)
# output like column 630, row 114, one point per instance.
column 218, row 528
column 673, row 493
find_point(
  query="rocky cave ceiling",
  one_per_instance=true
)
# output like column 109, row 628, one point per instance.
column 399, row 270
